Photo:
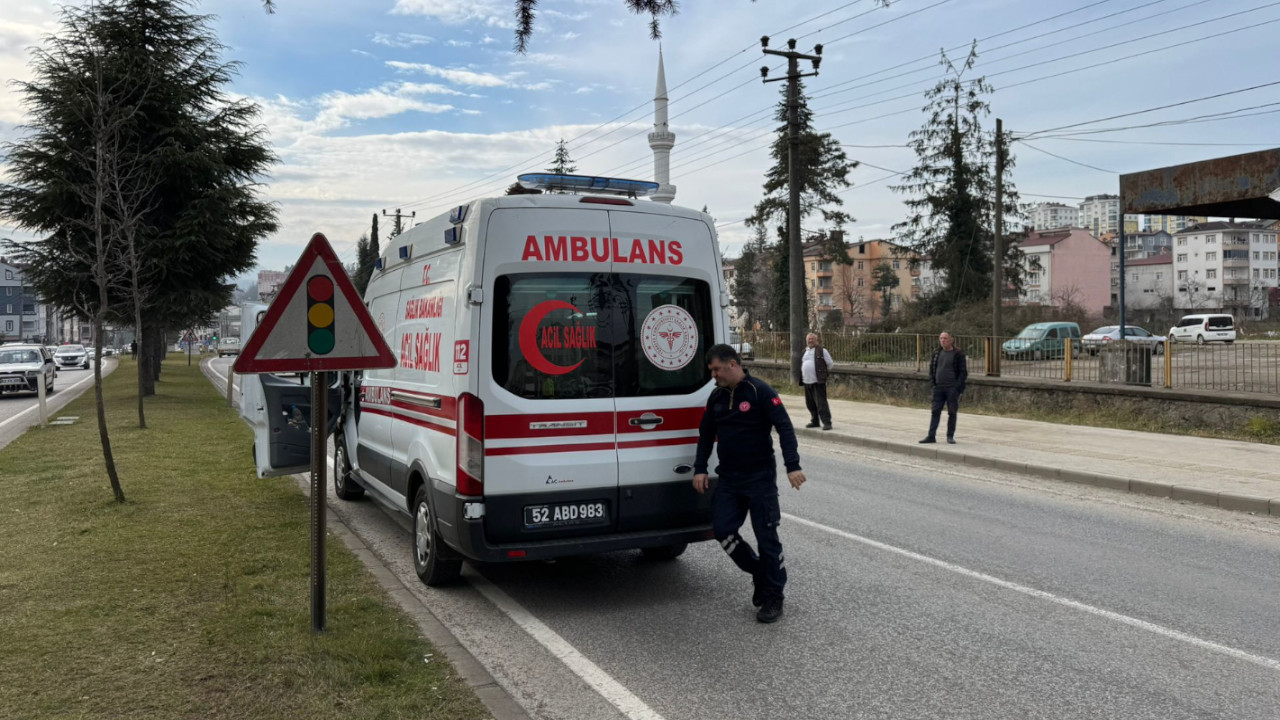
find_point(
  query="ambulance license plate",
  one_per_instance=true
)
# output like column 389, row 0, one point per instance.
column 13, row 381
column 562, row 514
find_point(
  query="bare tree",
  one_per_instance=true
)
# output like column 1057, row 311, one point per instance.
column 107, row 163
column 847, row 295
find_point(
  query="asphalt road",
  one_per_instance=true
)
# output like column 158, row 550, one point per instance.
column 917, row 590
column 19, row 411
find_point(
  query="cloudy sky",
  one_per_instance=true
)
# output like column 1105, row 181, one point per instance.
column 423, row 104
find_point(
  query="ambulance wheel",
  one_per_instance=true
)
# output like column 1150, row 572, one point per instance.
column 664, row 552
column 343, row 485
column 435, row 564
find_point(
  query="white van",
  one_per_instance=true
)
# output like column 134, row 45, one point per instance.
column 551, row 377
column 1201, row 329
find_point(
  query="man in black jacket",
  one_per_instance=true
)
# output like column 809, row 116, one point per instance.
column 948, row 373
column 740, row 414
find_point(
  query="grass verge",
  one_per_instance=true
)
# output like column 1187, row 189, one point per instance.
column 191, row 600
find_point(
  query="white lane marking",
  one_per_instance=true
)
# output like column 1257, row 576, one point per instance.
column 614, row 692
column 37, row 404
column 219, row 375
column 1265, row 662
column 599, row 680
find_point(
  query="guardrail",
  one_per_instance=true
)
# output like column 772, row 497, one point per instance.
column 1243, row 366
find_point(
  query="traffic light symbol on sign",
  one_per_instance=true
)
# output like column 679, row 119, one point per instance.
column 320, row 334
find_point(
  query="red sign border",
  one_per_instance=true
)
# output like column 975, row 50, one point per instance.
column 247, row 362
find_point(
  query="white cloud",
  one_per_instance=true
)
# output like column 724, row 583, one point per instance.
column 461, row 77
column 570, row 35
column 584, row 90
column 458, row 43
column 488, row 40
column 491, row 13
column 16, row 39
column 364, row 53
column 410, row 88
column 401, row 40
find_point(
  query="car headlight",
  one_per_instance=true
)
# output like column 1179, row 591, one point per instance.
column 33, row 373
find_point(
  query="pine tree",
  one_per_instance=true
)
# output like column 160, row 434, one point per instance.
column 824, row 170
column 203, row 149
column 375, row 250
column 952, row 189
column 884, row 280
column 562, row 164
column 364, row 265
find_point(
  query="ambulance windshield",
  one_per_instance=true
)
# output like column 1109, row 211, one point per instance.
column 597, row 335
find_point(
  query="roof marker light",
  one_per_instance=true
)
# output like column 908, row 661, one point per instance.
column 404, row 252
column 377, row 264
column 452, row 236
column 458, row 215
column 588, row 184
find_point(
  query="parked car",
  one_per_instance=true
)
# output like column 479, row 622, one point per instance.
column 1098, row 339
column 228, row 346
column 742, row 346
column 1201, row 329
column 71, row 355
column 1042, row 340
column 23, row 367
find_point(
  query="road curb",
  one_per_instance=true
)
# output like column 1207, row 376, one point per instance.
column 1256, row 504
column 500, row 704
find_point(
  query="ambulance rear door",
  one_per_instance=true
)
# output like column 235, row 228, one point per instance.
column 546, row 377
column 671, row 317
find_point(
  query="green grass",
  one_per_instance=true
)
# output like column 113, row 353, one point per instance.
column 191, row 600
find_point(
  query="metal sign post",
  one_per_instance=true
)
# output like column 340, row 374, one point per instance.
column 319, row 451
column 316, row 324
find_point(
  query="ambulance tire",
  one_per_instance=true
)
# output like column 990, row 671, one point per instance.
column 664, row 552
column 343, row 485
column 435, row 563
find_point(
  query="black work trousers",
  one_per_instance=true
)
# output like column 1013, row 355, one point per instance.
column 737, row 495
column 815, row 398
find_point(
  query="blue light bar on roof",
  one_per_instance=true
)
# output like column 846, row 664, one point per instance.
column 588, row 183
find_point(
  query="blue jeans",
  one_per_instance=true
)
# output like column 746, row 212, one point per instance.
column 737, row 495
column 949, row 397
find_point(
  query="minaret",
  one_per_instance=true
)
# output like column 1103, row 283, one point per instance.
column 661, row 140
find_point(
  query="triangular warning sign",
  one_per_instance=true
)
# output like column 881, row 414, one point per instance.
column 316, row 323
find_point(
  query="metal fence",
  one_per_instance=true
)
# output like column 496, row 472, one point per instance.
column 1243, row 366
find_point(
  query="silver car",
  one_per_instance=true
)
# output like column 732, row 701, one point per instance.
column 70, row 356
column 24, row 367
column 1098, row 339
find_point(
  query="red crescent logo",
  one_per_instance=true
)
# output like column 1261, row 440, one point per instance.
column 529, row 338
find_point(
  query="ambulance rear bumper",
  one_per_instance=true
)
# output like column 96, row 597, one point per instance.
column 467, row 536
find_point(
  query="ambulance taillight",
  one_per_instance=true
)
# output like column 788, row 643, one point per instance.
column 470, row 445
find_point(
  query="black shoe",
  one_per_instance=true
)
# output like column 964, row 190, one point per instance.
column 812, row 424
column 771, row 611
column 757, row 592
column 951, row 441
column 927, row 441
column 827, row 426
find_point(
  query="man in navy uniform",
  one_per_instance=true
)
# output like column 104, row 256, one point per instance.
column 740, row 414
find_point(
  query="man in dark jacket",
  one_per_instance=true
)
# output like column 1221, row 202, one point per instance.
column 948, row 372
column 740, row 414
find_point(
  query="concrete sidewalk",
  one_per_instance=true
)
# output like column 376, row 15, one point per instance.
column 1224, row 473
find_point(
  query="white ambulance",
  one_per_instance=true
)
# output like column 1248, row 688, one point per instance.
column 551, row 377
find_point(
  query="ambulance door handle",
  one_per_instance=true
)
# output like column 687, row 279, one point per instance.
column 430, row 402
column 683, row 469
column 645, row 419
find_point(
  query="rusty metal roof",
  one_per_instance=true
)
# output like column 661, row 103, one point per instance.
column 1243, row 186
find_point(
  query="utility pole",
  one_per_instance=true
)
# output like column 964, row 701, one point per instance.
column 398, row 215
column 795, row 254
column 997, row 273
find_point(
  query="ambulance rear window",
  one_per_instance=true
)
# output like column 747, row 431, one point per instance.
column 595, row 335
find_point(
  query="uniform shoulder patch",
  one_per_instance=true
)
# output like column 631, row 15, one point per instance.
column 777, row 401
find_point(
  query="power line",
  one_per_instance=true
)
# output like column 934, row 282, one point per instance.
column 1154, row 142
column 1215, row 96
column 1209, row 117
column 1074, row 162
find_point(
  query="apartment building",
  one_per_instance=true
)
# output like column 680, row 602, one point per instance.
column 22, row 315
column 1064, row 265
column 1170, row 223
column 1100, row 215
column 1226, row 267
column 1146, row 244
column 1149, row 282
column 1046, row 216
column 850, row 288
